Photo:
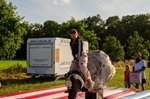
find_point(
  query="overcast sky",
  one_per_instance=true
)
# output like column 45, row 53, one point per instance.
column 39, row 11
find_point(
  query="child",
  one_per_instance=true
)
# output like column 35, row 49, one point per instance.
column 126, row 77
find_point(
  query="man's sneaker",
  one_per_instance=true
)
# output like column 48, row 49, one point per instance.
column 91, row 86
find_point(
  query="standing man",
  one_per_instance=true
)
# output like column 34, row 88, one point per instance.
column 139, row 66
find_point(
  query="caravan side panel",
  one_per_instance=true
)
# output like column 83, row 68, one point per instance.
column 40, row 56
column 63, row 47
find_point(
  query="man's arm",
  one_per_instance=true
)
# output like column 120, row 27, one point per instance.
column 74, row 57
column 80, row 48
column 143, row 68
column 148, row 64
column 133, row 68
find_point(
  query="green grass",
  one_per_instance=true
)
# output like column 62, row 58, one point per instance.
column 18, row 85
column 14, row 79
column 117, row 80
column 6, row 64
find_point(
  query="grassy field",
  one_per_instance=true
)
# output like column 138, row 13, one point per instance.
column 14, row 79
column 9, row 63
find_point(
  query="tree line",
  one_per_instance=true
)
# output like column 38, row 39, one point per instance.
column 120, row 38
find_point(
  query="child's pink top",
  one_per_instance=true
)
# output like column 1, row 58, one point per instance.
column 126, row 77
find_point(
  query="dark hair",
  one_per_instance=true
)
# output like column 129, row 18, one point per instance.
column 73, row 31
column 127, row 65
column 139, row 54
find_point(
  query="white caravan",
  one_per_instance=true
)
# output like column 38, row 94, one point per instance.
column 49, row 56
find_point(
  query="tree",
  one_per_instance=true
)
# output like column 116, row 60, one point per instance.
column 113, row 48
column 65, row 27
column 34, row 31
column 136, row 44
column 97, row 25
column 113, row 26
column 141, row 23
column 131, row 23
column 128, row 27
column 11, row 30
column 50, row 29
column 145, row 35
column 92, row 39
column 21, row 53
column 145, row 54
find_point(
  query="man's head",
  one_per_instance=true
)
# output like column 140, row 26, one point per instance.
column 73, row 34
column 138, row 57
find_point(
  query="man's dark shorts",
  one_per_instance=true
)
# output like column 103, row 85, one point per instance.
column 143, row 81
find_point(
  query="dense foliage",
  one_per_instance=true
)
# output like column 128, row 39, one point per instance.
column 120, row 38
column 12, row 29
column 113, row 48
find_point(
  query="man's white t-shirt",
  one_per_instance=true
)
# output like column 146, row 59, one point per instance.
column 138, row 66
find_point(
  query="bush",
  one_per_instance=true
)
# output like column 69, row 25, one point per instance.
column 17, row 68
